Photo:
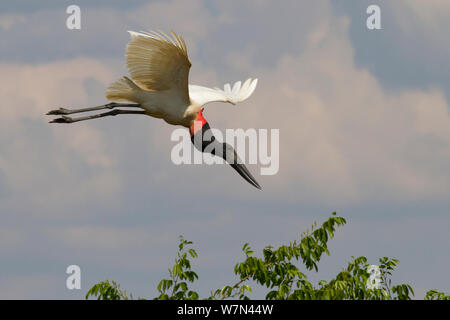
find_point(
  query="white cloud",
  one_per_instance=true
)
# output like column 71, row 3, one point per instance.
column 350, row 140
column 345, row 139
column 9, row 20
column 428, row 18
column 27, row 287
column 189, row 18
column 38, row 159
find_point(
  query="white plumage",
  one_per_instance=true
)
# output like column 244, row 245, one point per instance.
column 202, row 95
column 159, row 69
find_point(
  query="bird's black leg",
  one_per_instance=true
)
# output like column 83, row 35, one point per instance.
column 114, row 112
column 112, row 105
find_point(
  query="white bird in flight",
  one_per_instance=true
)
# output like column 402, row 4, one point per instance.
column 159, row 69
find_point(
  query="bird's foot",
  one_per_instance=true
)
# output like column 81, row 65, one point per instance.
column 59, row 111
column 63, row 119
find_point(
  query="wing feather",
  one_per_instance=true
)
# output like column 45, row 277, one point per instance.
column 157, row 61
column 202, row 95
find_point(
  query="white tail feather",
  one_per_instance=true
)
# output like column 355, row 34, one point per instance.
column 122, row 90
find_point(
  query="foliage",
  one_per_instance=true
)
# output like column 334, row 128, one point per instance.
column 108, row 291
column 176, row 287
column 276, row 270
column 436, row 295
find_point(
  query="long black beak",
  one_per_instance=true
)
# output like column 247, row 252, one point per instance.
column 243, row 171
column 204, row 139
column 231, row 157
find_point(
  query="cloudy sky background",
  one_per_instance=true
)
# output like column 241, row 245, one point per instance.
column 364, row 131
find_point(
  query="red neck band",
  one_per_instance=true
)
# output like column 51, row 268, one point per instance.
column 198, row 124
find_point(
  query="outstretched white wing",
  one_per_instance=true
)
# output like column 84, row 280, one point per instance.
column 158, row 62
column 201, row 95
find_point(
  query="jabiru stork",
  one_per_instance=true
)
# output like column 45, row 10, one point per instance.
column 159, row 69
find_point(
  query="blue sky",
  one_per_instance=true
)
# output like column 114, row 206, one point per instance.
column 364, row 131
